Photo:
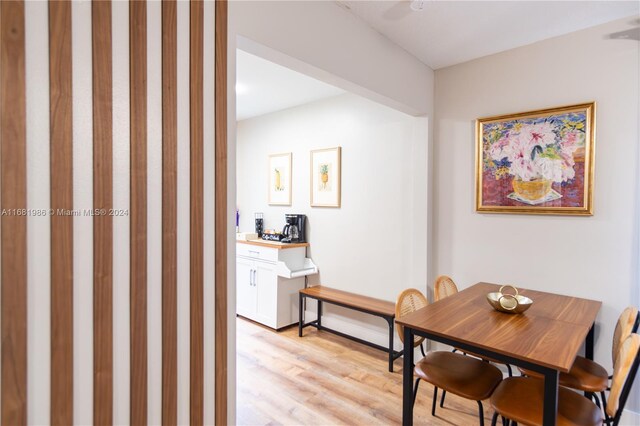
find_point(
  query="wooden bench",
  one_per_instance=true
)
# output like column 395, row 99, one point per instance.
column 368, row 305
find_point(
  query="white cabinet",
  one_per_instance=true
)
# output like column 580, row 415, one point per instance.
column 246, row 292
column 266, row 281
column 264, row 291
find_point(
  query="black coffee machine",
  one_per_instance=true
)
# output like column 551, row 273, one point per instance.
column 294, row 228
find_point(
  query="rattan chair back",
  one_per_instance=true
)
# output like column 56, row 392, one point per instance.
column 627, row 324
column 626, row 363
column 409, row 300
column 444, row 287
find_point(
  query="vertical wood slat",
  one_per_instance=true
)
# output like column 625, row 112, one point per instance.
column 221, row 213
column 169, row 214
column 13, row 242
column 61, row 123
column 196, row 81
column 102, row 223
column 138, row 282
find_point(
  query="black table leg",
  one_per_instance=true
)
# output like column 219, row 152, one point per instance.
column 407, row 378
column 300, row 318
column 319, row 315
column 588, row 344
column 550, row 405
column 588, row 350
column 390, row 322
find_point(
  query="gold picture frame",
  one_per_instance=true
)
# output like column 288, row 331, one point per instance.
column 280, row 179
column 326, row 177
column 537, row 162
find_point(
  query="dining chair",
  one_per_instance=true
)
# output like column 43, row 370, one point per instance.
column 444, row 287
column 590, row 377
column 461, row 375
column 520, row 399
column 410, row 300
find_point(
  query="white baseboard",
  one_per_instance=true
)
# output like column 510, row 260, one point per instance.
column 630, row 418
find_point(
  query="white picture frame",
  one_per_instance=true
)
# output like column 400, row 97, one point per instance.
column 326, row 177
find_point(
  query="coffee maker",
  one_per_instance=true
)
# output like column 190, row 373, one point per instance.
column 294, row 228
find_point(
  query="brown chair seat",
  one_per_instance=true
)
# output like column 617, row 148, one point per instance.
column 585, row 375
column 461, row 375
column 521, row 399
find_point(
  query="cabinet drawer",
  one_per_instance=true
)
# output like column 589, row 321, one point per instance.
column 257, row 252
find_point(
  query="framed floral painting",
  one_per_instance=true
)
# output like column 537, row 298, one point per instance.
column 280, row 179
column 325, row 177
column 538, row 162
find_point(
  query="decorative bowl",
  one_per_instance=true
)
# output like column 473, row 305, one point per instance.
column 508, row 302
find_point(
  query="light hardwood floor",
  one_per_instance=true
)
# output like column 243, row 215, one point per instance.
column 323, row 379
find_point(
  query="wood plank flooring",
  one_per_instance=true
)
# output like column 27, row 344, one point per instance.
column 323, row 379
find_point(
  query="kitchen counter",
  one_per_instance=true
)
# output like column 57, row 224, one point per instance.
column 273, row 244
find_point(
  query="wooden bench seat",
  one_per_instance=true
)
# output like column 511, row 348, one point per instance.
column 357, row 302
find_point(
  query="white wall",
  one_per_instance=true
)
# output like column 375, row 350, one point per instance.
column 589, row 257
column 374, row 243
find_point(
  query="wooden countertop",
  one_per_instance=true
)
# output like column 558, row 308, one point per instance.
column 272, row 244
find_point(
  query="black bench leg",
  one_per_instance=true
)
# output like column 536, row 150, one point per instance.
column 300, row 317
column 319, row 322
column 390, row 322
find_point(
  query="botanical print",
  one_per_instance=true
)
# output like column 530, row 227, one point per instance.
column 278, row 184
column 280, row 179
column 325, row 177
column 324, row 180
column 538, row 161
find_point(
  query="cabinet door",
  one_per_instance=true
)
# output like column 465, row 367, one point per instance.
column 245, row 289
column 267, row 302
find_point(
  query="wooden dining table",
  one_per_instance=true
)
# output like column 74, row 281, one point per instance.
column 546, row 338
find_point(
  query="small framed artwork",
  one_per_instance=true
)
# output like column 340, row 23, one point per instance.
column 325, row 177
column 280, row 179
column 537, row 162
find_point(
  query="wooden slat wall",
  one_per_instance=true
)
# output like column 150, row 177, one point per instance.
column 221, row 213
column 196, row 41
column 13, row 237
column 138, row 253
column 13, row 242
column 61, row 124
column 169, row 214
column 102, row 223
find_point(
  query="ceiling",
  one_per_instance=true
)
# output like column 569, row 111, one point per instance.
column 444, row 33
column 263, row 86
column 450, row 32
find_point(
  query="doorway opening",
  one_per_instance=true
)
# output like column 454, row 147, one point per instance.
column 371, row 241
